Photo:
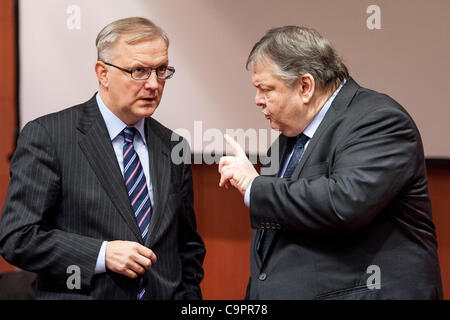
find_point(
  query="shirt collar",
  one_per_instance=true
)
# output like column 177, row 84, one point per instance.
column 114, row 125
column 314, row 124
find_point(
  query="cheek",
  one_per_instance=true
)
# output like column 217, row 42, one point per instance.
column 125, row 89
column 273, row 105
column 161, row 89
column 132, row 91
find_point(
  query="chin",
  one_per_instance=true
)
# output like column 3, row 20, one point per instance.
column 147, row 110
column 274, row 126
column 148, row 113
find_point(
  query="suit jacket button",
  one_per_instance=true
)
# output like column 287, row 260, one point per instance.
column 262, row 225
column 262, row 276
column 267, row 225
column 273, row 225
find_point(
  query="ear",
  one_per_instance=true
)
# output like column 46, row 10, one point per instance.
column 307, row 87
column 101, row 70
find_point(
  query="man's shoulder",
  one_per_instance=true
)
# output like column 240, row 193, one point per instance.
column 369, row 102
column 63, row 118
column 370, row 108
column 375, row 99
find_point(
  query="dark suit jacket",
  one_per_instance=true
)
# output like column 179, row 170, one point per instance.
column 357, row 200
column 67, row 195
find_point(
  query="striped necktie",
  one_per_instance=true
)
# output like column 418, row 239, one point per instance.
column 298, row 144
column 137, row 189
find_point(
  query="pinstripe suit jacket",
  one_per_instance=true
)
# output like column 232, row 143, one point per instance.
column 67, row 195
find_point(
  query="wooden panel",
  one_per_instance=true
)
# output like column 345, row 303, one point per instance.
column 223, row 222
column 7, row 100
column 439, row 185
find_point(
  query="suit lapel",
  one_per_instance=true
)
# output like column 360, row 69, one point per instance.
column 160, row 165
column 97, row 147
column 340, row 104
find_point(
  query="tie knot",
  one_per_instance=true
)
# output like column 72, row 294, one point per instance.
column 128, row 134
column 297, row 142
column 301, row 141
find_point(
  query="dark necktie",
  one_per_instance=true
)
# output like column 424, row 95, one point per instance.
column 298, row 144
column 137, row 189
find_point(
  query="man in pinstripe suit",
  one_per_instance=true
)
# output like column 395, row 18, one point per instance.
column 68, row 207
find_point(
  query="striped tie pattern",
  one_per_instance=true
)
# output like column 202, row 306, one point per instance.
column 137, row 189
column 299, row 147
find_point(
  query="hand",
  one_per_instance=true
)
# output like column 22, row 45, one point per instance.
column 128, row 258
column 236, row 170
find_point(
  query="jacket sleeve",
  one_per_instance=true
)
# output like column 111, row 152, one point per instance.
column 371, row 164
column 28, row 239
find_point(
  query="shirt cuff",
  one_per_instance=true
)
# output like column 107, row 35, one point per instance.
column 247, row 194
column 100, row 267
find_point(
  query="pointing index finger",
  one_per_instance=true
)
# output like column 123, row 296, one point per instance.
column 237, row 149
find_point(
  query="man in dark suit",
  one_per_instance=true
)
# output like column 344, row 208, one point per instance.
column 96, row 206
column 348, row 214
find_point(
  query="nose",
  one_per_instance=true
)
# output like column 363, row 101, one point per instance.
column 260, row 100
column 152, row 81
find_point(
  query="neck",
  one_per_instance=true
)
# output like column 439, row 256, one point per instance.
column 314, row 106
column 130, row 121
column 319, row 100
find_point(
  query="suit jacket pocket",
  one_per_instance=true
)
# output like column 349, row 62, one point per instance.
column 361, row 292
column 315, row 171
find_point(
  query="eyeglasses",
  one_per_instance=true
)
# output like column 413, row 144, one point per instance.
column 143, row 73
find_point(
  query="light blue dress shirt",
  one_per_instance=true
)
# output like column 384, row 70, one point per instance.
column 115, row 127
column 309, row 132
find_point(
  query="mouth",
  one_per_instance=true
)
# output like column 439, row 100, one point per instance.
column 148, row 99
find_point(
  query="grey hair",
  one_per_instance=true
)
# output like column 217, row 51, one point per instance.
column 141, row 28
column 299, row 50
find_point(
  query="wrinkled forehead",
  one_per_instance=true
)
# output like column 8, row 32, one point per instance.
column 149, row 48
column 262, row 69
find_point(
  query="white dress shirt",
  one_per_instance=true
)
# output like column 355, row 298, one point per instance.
column 115, row 127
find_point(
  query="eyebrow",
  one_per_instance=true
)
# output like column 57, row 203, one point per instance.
column 256, row 84
column 140, row 64
column 263, row 86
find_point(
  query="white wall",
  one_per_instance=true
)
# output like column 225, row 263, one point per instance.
column 408, row 58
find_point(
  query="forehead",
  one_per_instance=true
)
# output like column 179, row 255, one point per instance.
column 263, row 71
column 147, row 50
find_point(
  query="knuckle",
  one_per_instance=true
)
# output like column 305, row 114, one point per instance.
column 127, row 265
